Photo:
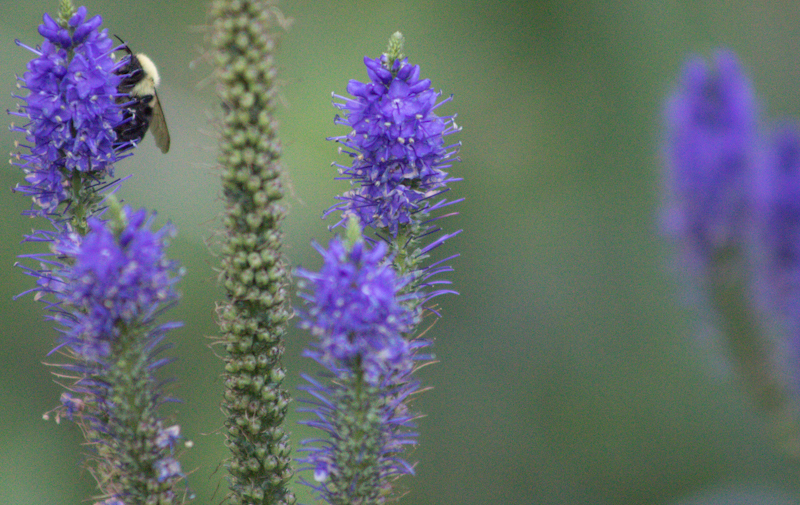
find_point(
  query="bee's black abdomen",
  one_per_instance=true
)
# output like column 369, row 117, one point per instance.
column 136, row 119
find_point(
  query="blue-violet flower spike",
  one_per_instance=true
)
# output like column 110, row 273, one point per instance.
column 396, row 145
column 106, row 289
column 777, row 235
column 710, row 150
column 70, row 111
column 355, row 311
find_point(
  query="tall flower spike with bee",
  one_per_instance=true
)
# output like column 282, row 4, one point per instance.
column 105, row 277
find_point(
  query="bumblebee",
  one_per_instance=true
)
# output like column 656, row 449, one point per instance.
column 142, row 108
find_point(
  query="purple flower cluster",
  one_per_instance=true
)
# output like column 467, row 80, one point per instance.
column 70, row 110
column 731, row 190
column 734, row 206
column 114, row 279
column 355, row 312
column 777, row 222
column 396, row 143
column 365, row 303
column 711, row 149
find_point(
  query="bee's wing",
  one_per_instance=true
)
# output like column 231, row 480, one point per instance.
column 158, row 125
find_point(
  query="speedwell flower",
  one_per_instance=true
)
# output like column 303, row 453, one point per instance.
column 70, row 111
column 711, row 149
column 396, row 144
column 355, row 311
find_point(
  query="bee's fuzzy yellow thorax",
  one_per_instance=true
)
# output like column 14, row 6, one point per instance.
column 151, row 78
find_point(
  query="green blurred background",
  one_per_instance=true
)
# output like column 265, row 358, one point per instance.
column 572, row 366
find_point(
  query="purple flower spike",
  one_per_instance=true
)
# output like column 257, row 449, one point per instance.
column 70, row 111
column 106, row 289
column 104, row 281
column 777, row 208
column 365, row 303
column 118, row 278
column 732, row 205
column 355, row 312
column 397, row 145
column 711, row 149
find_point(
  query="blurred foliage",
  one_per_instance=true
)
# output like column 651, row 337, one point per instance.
column 573, row 368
